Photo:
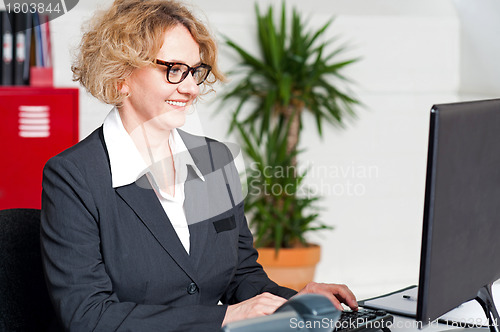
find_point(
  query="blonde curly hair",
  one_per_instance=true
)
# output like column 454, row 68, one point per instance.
column 129, row 35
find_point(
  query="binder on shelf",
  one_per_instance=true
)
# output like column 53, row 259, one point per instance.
column 7, row 49
column 27, row 49
column 46, row 46
column 20, row 40
column 37, row 30
column 41, row 74
column 26, row 52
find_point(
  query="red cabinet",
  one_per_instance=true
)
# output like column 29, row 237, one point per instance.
column 35, row 125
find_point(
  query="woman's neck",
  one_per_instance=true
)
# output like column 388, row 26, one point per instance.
column 153, row 143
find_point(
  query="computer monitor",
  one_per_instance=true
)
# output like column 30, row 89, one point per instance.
column 460, row 256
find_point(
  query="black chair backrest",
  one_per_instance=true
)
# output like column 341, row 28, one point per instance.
column 24, row 300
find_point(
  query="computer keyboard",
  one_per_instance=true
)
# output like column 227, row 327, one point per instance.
column 314, row 312
column 365, row 320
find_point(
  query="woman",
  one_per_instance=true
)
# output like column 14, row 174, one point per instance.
column 142, row 224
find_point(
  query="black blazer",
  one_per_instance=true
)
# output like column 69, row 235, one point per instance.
column 113, row 261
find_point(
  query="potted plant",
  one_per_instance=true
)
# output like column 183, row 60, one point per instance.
column 293, row 75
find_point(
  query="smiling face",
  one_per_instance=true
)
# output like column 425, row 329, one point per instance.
column 151, row 97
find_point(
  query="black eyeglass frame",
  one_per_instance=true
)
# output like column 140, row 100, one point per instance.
column 191, row 70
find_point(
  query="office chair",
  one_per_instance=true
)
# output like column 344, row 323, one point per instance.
column 24, row 300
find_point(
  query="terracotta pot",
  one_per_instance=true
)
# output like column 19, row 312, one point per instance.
column 293, row 267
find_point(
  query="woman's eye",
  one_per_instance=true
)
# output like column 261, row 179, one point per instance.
column 176, row 70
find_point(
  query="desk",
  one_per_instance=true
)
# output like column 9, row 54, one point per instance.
column 402, row 323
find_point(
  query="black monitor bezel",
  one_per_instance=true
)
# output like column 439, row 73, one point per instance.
column 483, row 294
column 421, row 314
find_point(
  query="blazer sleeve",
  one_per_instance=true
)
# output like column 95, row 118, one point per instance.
column 78, row 284
column 250, row 278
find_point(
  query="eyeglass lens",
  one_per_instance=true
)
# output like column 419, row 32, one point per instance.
column 178, row 72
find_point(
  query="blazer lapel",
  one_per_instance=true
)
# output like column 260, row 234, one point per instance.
column 198, row 149
column 196, row 193
column 141, row 198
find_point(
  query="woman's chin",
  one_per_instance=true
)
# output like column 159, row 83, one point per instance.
column 168, row 120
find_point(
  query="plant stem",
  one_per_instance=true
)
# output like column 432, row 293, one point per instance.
column 292, row 114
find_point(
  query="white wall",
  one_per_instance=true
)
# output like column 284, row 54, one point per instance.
column 412, row 57
column 479, row 47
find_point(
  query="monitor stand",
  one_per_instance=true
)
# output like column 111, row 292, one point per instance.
column 485, row 298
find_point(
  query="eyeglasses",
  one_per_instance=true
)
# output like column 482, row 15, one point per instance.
column 177, row 71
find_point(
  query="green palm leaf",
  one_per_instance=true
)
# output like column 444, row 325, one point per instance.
column 293, row 74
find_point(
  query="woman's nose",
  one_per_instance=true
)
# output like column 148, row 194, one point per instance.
column 189, row 86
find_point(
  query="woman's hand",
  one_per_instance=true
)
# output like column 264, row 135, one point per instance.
column 336, row 293
column 260, row 305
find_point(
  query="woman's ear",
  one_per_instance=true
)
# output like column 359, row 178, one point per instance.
column 123, row 88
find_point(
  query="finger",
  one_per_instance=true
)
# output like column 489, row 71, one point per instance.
column 335, row 292
column 325, row 290
column 345, row 295
column 336, row 303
